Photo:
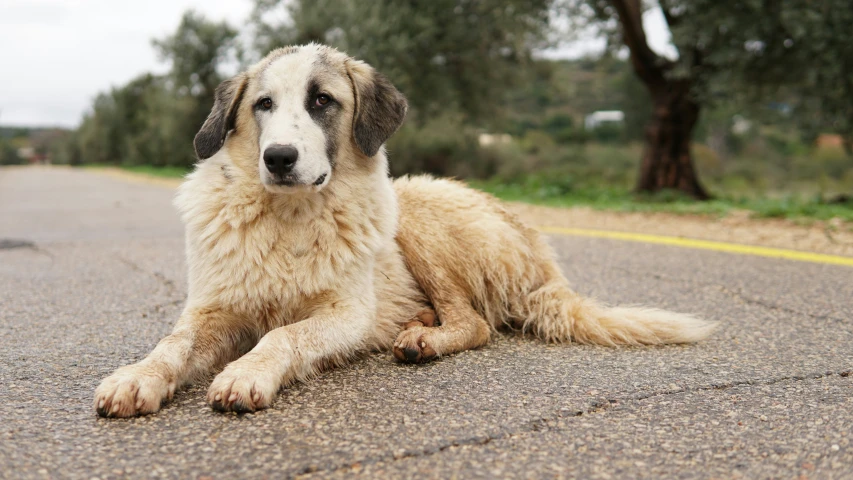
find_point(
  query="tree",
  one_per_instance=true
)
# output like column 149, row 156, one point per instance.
column 755, row 45
column 443, row 54
column 197, row 51
column 152, row 119
column 819, row 38
column 667, row 162
column 8, row 153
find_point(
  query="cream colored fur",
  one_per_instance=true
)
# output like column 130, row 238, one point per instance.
column 282, row 285
column 475, row 259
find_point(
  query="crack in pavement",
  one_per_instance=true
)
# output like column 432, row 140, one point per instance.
column 737, row 294
column 770, row 306
column 540, row 424
column 162, row 279
column 177, row 297
column 729, row 385
column 156, row 308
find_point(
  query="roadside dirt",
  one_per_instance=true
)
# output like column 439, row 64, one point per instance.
column 834, row 237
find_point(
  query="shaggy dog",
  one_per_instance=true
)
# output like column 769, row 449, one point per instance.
column 302, row 253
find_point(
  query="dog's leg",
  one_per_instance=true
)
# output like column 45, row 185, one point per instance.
column 425, row 318
column 202, row 340
column 294, row 352
column 461, row 328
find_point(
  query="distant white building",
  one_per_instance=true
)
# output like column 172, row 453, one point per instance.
column 488, row 139
column 740, row 125
column 595, row 119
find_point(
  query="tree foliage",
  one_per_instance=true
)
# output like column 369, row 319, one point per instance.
column 762, row 50
column 152, row 119
column 444, row 55
column 196, row 52
column 8, row 153
column 814, row 59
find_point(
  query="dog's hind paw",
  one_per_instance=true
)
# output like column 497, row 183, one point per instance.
column 131, row 391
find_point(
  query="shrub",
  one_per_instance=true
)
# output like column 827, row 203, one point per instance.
column 434, row 147
column 608, row 132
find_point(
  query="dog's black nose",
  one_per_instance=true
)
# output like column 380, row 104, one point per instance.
column 280, row 159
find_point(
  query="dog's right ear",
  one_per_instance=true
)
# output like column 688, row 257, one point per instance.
column 222, row 118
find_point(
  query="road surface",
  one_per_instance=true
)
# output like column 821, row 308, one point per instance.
column 92, row 276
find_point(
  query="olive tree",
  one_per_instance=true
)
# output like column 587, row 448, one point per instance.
column 725, row 46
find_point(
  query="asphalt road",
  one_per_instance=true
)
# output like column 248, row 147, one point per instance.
column 770, row 395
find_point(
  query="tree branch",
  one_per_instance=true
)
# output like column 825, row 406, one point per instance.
column 671, row 19
column 647, row 64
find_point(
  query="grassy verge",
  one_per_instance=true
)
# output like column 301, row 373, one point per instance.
column 167, row 172
column 552, row 193
column 162, row 172
column 790, row 207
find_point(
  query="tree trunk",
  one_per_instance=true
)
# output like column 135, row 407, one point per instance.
column 667, row 163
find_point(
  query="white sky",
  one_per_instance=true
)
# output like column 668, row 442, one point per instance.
column 56, row 55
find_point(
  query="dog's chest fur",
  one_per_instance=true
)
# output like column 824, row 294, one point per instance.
column 260, row 253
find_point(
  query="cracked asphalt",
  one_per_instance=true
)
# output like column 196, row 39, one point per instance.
column 92, row 276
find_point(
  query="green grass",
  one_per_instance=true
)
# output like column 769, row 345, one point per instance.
column 604, row 198
column 167, row 172
column 164, row 172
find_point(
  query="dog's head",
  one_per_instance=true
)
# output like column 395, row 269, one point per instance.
column 300, row 113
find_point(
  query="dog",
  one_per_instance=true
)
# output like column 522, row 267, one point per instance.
column 303, row 253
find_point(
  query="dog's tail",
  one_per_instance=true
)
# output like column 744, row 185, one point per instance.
column 555, row 313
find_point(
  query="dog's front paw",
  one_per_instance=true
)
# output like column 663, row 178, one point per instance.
column 413, row 345
column 242, row 388
column 133, row 390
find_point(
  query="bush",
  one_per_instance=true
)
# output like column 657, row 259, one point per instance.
column 833, row 161
column 498, row 161
column 443, row 146
column 557, row 123
column 537, row 142
column 784, row 143
column 608, row 132
column 9, row 154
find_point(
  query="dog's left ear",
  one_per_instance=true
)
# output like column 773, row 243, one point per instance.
column 222, row 117
column 379, row 107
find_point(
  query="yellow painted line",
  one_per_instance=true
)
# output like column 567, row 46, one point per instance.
column 706, row 245
column 582, row 232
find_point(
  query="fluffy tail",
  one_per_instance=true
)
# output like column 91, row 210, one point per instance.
column 555, row 313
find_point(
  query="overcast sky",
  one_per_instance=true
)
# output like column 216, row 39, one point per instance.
column 56, row 55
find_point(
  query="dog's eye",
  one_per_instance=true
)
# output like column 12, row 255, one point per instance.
column 322, row 100
column 265, row 103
